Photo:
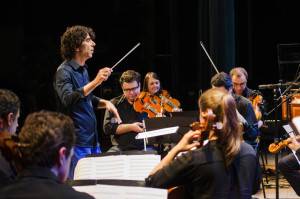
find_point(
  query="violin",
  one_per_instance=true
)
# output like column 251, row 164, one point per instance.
column 145, row 103
column 256, row 101
column 276, row 147
column 9, row 146
column 169, row 104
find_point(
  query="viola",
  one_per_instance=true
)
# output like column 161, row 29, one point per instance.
column 276, row 147
column 9, row 145
column 256, row 101
column 169, row 104
column 145, row 103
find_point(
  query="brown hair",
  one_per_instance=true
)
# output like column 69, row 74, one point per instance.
column 130, row 76
column 146, row 81
column 9, row 103
column 72, row 39
column 43, row 134
column 223, row 106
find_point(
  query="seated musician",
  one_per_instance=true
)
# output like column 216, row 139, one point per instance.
column 44, row 152
column 123, row 134
column 239, row 78
column 244, row 107
column 9, row 115
column 152, row 85
column 215, row 169
column 289, row 166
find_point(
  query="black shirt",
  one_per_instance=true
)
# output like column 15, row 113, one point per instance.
column 245, row 108
column 202, row 172
column 69, row 82
column 7, row 171
column 128, row 115
column 37, row 183
column 246, row 173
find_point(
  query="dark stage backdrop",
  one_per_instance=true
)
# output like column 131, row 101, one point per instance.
column 235, row 32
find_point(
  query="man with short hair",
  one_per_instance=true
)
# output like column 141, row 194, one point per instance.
column 44, row 152
column 123, row 134
column 9, row 115
column 243, row 105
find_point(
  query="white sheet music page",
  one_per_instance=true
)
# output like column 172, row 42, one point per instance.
column 155, row 133
column 123, row 192
column 296, row 122
column 123, row 167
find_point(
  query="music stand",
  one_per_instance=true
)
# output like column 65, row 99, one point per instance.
column 183, row 122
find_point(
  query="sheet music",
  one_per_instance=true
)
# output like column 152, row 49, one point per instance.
column 159, row 132
column 123, row 192
column 289, row 130
column 296, row 122
column 123, row 167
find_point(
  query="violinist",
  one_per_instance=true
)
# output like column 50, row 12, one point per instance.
column 209, row 171
column 239, row 78
column 289, row 165
column 244, row 107
column 9, row 115
column 123, row 134
column 152, row 85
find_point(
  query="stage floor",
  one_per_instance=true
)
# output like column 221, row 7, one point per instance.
column 285, row 190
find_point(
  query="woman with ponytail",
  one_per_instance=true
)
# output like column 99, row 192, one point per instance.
column 205, row 170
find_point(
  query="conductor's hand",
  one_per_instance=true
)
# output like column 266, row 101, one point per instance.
column 103, row 75
column 111, row 108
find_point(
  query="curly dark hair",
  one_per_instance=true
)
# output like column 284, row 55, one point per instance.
column 9, row 103
column 72, row 39
column 45, row 133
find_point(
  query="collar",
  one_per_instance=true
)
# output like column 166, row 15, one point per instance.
column 75, row 65
column 38, row 172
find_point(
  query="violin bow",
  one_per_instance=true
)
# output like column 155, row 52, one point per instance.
column 212, row 63
column 137, row 45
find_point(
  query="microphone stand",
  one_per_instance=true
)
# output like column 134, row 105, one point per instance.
column 276, row 138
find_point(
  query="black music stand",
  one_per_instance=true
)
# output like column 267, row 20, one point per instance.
column 180, row 119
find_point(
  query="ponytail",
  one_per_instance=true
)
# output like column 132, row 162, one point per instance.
column 231, row 132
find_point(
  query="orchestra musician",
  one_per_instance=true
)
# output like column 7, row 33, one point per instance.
column 244, row 107
column 239, row 78
column 226, row 167
column 123, row 134
column 44, row 151
column 9, row 115
column 152, row 85
column 289, row 166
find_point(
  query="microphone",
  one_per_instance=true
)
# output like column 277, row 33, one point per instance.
column 269, row 86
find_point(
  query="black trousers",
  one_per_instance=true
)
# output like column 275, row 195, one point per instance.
column 290, row 168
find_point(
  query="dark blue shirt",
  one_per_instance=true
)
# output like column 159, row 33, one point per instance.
column 69, row 82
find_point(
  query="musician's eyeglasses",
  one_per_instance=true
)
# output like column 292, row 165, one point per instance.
column 127, row 90
column 239, row 84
